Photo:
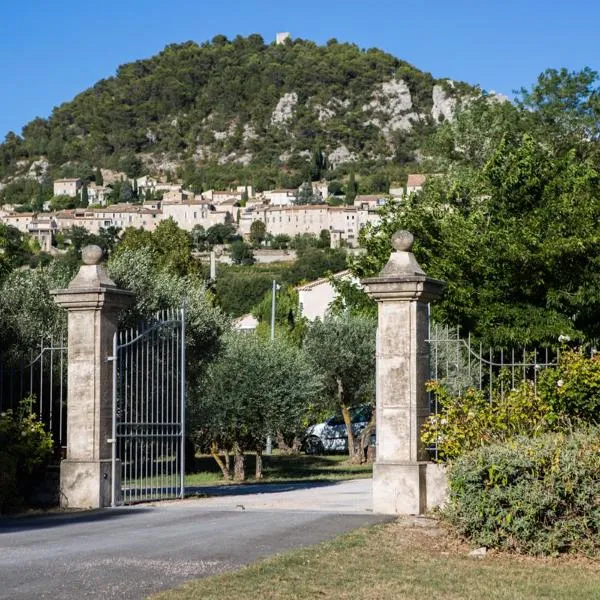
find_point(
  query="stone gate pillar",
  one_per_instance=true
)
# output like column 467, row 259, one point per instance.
column 93, row 302
column 402, row 291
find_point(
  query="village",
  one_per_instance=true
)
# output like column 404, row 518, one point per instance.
column 278, row 209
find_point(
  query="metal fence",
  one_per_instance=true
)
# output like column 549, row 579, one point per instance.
column 41, row 376
column 149, row 410
column 458, row 363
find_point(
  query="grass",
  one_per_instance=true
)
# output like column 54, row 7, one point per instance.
column 282, row 468
column 399, row 561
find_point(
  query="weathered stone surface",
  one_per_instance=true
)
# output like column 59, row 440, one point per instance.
column 399, row 488
column 85, row 484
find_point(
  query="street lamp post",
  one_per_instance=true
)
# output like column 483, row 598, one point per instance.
column 269, row 444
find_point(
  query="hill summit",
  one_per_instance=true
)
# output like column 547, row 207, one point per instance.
column 240, row 103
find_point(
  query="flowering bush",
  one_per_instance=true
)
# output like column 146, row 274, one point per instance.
column 573, row 388
column 24, row 447
column 471, row 420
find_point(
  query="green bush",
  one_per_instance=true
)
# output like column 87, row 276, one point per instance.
column 25, row 447
column 573, row 388
column 470, row 420
column 537, row 496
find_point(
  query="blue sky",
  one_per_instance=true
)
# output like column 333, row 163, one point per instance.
column 50, row 51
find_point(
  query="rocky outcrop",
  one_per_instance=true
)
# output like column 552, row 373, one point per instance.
column 444, row 105
column 284, row 111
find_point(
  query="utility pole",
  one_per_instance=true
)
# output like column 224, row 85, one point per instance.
column 269, row 444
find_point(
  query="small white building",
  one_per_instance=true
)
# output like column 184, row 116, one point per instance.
column 246, row 323
column 280, row 197
column 315, row 298
column 415, row 183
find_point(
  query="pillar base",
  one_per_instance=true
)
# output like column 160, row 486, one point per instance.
column 399, row 488
column 86, row 484
column 408, row 488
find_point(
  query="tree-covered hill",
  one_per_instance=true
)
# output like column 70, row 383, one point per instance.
column 240, row 105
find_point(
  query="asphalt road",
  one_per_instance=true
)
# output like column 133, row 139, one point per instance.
column 131, row 552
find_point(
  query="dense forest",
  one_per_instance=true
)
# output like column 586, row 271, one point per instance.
column 231, row 111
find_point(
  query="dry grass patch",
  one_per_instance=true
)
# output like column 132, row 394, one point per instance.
column 407, row 559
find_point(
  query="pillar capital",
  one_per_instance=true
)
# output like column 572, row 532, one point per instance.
column 402, row 278
column 92, row 288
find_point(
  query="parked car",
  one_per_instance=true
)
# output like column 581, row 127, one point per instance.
column 331, row 435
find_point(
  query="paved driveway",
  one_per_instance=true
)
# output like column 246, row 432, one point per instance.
column 133, row 551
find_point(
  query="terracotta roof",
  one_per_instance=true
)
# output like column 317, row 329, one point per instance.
column 416, row 179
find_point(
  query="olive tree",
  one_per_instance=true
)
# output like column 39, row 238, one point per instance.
column 342, row 349
column 253, row 388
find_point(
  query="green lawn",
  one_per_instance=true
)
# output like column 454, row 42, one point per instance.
column 281, row 467
column 399, row 562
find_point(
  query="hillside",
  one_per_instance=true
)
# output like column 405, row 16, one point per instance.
column 225, row 110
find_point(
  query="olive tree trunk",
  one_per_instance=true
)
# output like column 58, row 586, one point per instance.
column 347, row 420
column 239, row 466
column 224, row 466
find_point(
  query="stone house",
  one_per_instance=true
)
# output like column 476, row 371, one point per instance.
column 67, row 187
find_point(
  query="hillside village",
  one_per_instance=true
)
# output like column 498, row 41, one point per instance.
column 281, row 210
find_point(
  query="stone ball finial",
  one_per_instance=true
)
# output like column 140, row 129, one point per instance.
column 402, row 241
column 91, row 255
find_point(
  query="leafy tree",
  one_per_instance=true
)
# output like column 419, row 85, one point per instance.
column 342, row 349
column 325, row 238
column 566, row 107
column 515, row 242
column 289, row 323
column 125, row 192
column 171, row 246
column 198, row 236
column 62, row 202
column 84, row 196
column 253, row 388
column 280, row 241
column 221, row 233
column 305, row 195
column 158, row 286
column 258, row 231
column 241, row 253
column 351, row 188
column 27, row 310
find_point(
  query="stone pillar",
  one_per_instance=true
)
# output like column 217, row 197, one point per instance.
column 93, row 302
column 402, row 291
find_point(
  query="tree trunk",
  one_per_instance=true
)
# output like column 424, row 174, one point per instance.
column 258, row 474
column 346, row 414
column 296, row 444
column 223, row 466
column 364, row 438
column 239, row 471
column 227, row 461
column 282, row 444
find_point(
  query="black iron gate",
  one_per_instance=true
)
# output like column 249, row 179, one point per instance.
column 148, row 431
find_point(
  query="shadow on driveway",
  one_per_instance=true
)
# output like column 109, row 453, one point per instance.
column 243, row 489
column 45, row 520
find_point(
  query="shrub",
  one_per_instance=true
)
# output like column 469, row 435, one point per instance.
column 470, row 420
column 24, row 447
column 573, row 388
column 537, row 496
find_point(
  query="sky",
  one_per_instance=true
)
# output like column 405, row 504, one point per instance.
column 52, row 50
